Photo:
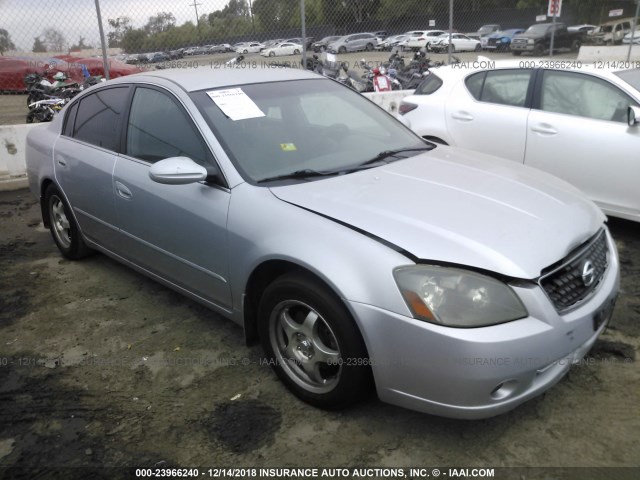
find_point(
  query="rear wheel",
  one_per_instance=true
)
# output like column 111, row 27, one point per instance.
column 312, row 342
column 296, row 52
column 478, row 48
column 342, row 50
column 63, row 227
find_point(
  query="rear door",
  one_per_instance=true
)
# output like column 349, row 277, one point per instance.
column 488, row 110
column 84, row 159
column 578, row 132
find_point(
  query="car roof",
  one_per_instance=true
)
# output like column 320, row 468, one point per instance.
column 192, row 80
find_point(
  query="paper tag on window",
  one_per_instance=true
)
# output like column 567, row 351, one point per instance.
column 235, row 104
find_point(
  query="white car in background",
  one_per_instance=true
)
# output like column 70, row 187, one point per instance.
column 459, row 43
column 636, row 37
column 251, row 47
column 577, row 124
column 422, row 38
column 286, row 48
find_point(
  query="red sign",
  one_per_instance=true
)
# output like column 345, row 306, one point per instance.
column 555, row 6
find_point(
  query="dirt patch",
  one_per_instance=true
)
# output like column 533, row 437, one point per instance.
column 101, row 367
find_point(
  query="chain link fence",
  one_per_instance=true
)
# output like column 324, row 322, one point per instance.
column 36, row 34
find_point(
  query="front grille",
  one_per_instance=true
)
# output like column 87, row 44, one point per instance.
column 519, row 41
column 578, row 274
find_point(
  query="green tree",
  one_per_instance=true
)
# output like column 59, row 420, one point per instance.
column 5, row 41
column 161, row 22
column 54, row 40
column 80, row 45
column 120, row 26
column 38, row 46
column 275, row 14
column 133, row 40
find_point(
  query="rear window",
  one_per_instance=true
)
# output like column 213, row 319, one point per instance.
column 504, row 87
column 429, row 85
column 632, row 77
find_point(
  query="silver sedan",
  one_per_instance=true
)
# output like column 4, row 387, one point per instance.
column 360, row 255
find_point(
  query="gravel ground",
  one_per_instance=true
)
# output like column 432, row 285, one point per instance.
column 100, row 366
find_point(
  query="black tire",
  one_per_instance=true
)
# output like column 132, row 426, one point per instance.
column 478, row 48
column 315, row 369
column 62, row 225
column 369, row 47
column 516, row 53
column 538, row 50
column 245, row 52
column 272, row 53
column 342, row 50
column 296, row 52
column 575, row 46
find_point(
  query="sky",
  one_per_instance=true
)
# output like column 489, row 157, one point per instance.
column 26, row 19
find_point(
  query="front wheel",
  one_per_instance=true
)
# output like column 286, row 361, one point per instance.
column 272, row 53
column 245, row 51
column 369, row 47
column 312, row 342
column 342, row 50
column 516, row 53
column 63, row 227
column 478, row 48
column 296, row 52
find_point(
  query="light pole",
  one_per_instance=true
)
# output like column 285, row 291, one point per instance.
column 195, row 5
column 633, row 30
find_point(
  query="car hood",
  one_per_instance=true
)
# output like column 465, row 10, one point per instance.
column 461, row 207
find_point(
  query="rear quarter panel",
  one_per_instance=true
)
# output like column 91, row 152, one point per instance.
column 39, row 154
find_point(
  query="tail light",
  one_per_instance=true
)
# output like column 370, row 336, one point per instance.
column 406, row 107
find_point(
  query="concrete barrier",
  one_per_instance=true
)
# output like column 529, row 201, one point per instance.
column 390, row 101
column 12, row 156
column 13, row 141
column 593, row 53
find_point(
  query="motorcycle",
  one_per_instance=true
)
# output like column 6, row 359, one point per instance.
column 39, row 88
column 44, row 110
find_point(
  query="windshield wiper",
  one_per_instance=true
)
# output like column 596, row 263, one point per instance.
column 392, row 153
column 306, row 173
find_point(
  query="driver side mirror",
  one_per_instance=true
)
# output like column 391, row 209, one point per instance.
column 633, row 115
column 177, row 171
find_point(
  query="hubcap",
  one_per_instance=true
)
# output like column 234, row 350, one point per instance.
column 61, row 226
column 305, row 346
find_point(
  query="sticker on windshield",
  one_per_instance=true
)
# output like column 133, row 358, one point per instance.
column 235, row 104
column 288, row 147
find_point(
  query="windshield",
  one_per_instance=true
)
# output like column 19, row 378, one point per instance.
column 305, row 125
column 542, row 28
column 632, row 77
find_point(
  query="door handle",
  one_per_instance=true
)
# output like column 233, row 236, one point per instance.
column 123, row 191
column 464, row 116
column 61, row 161
column 545, row 129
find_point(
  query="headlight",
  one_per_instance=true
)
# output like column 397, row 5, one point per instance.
column 457, row 298
column 531, row 41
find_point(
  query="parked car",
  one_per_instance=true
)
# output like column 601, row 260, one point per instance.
column 500, row 41
column 422, row 38
column 222, row 48
column 612, row 32
column 537, row 39
column 391, row 42
column 285, row 48
column 484, row 31
column 459, row 43
column 356, row 252
column 636, row 37
column 574, row 126
column 583, row 28
column 156, row 57
column 250, row 47
column 321, row 45
column 190, row 51
column 353, row 43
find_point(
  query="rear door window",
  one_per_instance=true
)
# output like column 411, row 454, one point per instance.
column 98, row 118
column 504, row 87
